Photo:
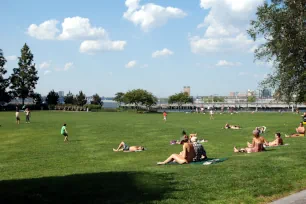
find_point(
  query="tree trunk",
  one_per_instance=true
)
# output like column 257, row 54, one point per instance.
column 23, row 101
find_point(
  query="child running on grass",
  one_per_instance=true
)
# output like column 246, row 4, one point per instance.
column 165, row 116
column 17, row 116
column 64, row 132
column 28, row 113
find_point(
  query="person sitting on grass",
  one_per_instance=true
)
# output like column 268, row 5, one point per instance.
column 64, row 132
column 185, row 157
column 256, row 146
column 234, row 127
column 278, row 140
column 261, row 129
column 183, row 139
column 300, row 131
column 200, row 153
column 123, row 147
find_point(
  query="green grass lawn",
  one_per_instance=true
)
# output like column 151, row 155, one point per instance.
column 37, row 167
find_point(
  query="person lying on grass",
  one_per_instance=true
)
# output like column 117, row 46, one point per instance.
column 256, row 146
column 185, row 157
column 234, row 127
column 300, row 131
column 123, row 147
column 200, row 153
column 278, row 140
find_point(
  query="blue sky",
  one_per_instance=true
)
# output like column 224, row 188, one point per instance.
column 103, row 46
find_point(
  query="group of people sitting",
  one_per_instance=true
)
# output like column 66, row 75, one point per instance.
column 259, row 143
column 193, row 151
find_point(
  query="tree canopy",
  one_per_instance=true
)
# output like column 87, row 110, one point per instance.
column 119, row 98
column 69, row 98
column 52, row 98
column 180, row 99
column 140, row 97
column 24, row 78
column 282, row 25
column 96, row 99
column 4, row 83
column 80, row 99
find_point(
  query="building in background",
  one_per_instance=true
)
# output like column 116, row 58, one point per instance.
column 187, row 90
column 61, row 94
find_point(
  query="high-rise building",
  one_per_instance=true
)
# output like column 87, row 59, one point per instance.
column 187, row 90
column 61, row 93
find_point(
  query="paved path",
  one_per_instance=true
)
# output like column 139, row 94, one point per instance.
column 297, row 198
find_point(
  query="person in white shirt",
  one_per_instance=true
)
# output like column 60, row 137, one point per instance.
column 17, row 115
column 28, row 113
column 211, row 112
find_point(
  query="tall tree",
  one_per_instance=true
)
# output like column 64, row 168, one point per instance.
column 69, row 98
column 119, row 98
column 24, row 78
column 52, row 98
column 180, row 99
column 282, row 23
column 80, row 99
column 96, row 99
column 4, row 83
column 140, row 97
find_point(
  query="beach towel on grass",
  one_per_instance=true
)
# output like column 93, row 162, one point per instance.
column 277, row 146
column 204, row 162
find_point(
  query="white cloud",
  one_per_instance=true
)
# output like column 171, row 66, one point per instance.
column 226, row 25
column 45, row 65
column 163, row 52
column 68, row 66
column 11, row 58
column 47, row 72
column 131, row 64
column 150, row 15
column 78, row 27
column 224, row 63
column 45, row 31
column 92, row 46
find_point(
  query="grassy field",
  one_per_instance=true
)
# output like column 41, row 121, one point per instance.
column 37, row 167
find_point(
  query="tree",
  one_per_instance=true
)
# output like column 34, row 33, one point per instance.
column 119, row 98
column 140, row 97
column 37, row 98
column 251, row 99
column 282, row 23
column 80, row 99
column 218, row 99
column 180, row 99
column 69, row 98
column 24, row 78
column 4, row 83
column 96, row 99
column 52, row 98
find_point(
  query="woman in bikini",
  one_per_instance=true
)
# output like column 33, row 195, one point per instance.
column 256, row 146
column 300, row 131
column 278, row 140
column 185, row 157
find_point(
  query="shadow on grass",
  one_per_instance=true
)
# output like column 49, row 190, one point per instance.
column 106, row 187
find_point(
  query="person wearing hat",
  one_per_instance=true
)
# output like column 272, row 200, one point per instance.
column 199, row 150
column 256, row 146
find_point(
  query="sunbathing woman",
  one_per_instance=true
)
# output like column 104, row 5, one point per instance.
column 184, row 157
column 278, row 140
column 256, row 146
column 126, row 148
column 234, row 127
column 300, row 131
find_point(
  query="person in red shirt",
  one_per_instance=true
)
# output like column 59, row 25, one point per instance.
column 165, row 116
